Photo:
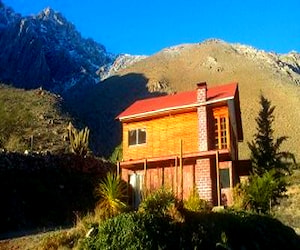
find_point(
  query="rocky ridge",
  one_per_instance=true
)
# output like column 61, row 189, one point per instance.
column 121, row 62
column 288, row 64
column 46, row 50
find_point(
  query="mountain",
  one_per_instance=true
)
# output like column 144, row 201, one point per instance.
column 179, row 68
column 218, row 62
column 46, row 50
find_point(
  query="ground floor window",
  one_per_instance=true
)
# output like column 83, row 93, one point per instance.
column 224, row 178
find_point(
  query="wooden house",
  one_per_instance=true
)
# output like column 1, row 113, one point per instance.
column 184, row 141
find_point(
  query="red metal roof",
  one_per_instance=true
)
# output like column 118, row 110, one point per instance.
column 178, row 101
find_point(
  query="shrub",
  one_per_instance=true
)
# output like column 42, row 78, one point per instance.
column 260, row 191
column 133, row 231
column 195, row 203
column 239, row 197
column 238, row 230
column 158, row 202
column 79, row 140
column 112, row 192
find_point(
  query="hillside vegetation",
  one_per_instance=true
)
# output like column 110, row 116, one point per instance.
column 32, row 120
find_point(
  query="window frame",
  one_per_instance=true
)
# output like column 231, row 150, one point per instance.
column 221, row 118
column 138, row 132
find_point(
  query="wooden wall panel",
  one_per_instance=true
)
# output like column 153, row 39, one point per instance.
column 163, row 136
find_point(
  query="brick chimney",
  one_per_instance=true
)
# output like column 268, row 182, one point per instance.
column 203, row 179
column 202, row 116
column 201, row 92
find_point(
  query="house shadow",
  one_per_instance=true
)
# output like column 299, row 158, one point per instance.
column 98, row 106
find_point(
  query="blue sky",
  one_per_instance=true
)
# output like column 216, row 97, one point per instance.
column 145, row 27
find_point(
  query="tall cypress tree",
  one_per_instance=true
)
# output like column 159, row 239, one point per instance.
column 265, row 149
column 269, row 164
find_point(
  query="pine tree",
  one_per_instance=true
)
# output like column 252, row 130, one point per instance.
column 266, row 157
column 265, row 149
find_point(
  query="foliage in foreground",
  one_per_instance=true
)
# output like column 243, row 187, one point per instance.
column 155, row 228
column 137, row 230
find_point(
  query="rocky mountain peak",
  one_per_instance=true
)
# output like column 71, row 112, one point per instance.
column 46, row 50
column 48, row 14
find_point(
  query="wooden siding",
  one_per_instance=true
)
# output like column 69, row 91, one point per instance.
column 163, row 136
column 163, row 174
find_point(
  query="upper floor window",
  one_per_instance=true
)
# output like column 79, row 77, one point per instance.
column 136, row 136
column 221, row 132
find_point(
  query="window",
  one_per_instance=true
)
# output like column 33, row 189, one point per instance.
column 221, row 132
column 136, row 137
column 224, row 178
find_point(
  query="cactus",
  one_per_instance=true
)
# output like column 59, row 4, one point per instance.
column 79, row 140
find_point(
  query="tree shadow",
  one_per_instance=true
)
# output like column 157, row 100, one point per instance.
column 98, row 106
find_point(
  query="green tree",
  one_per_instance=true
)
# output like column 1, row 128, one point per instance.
column 265, row 149
column 268, row 162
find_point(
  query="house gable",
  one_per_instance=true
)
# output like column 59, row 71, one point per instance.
column 184, row 140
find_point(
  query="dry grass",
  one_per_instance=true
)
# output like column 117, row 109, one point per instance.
column 31, row 242
column 288, row 211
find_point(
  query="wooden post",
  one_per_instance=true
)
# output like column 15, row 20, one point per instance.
column 218, row 178
column 145, row 174
column 118, row 168
column 162, row 175
column 176, row 176
column 181, row 170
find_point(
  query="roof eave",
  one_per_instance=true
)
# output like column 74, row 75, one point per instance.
column 165, row 110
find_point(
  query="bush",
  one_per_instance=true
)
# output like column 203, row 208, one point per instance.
column 195, row 203
column 112, row 192
column 158, row 202
column 79, row 140
column 238, row 230
column 133, row 231
column 260, row 191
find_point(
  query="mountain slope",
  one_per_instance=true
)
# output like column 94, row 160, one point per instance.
column 217, row 62
column 180, row 68
column 46, row 50
column 32, row 120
